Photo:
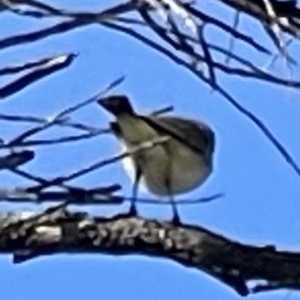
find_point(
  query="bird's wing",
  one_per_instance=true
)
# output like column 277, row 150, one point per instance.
column 197, row 135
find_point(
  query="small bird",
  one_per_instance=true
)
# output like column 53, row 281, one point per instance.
column 180, row 164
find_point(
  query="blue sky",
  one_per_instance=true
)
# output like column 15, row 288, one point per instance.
column 261, row 203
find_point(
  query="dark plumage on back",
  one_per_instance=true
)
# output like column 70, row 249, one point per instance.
column 195, row 134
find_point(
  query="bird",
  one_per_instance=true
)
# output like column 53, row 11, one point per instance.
column 179, row 165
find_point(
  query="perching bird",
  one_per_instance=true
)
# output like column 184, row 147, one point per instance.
column 179, row 165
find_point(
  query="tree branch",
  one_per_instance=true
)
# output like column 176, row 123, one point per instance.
column 58, row 230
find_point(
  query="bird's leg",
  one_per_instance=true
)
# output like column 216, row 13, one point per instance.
column 168, row 183
column 176, row 218
column 138, row 174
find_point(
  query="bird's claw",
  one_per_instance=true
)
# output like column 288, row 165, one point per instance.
column 132, row 211
column 176, row 220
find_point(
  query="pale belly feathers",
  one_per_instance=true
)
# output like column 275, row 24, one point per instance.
column 184, row 169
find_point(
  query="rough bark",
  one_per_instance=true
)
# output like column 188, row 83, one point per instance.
column 58, row 230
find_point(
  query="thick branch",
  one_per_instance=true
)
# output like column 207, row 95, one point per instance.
column 58, row 230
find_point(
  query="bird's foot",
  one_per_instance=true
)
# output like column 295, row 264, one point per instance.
column 176, row 220
column 132, row 211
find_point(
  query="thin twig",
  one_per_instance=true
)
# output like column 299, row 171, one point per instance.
column 245, row 112
column 64, row 114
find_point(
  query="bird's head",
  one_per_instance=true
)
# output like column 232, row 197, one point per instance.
column 116, row 104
